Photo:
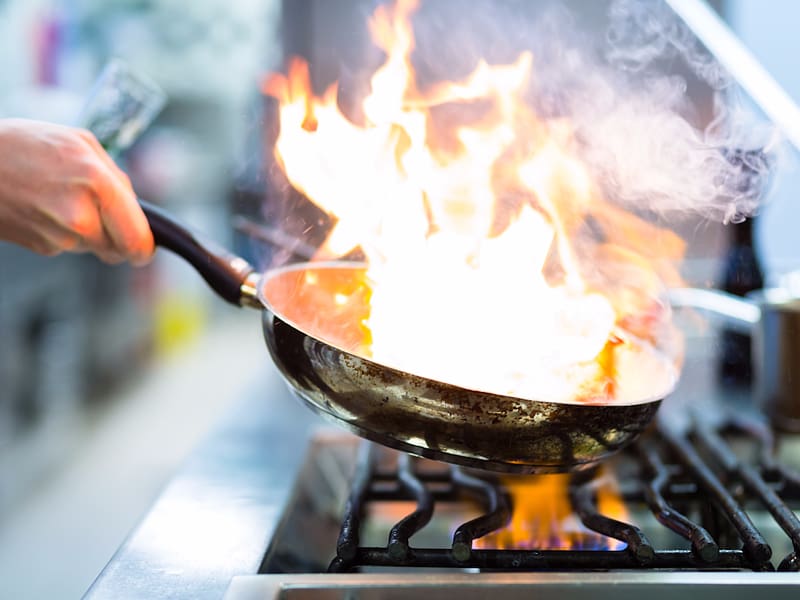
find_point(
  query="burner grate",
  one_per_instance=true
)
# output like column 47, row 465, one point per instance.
column 674, row 474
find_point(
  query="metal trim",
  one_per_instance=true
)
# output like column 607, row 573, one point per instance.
column 543, row 586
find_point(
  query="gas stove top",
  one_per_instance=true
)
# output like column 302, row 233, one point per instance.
column 659, row 505
column 710, row 506
column 272, row 506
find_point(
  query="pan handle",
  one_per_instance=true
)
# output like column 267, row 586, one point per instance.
column 226, row 273
column 740, row 314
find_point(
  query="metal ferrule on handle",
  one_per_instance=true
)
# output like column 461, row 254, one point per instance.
column 232, row 277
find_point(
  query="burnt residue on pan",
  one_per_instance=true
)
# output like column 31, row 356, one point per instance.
column 443, row 421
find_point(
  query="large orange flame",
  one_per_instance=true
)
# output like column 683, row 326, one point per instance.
column 493, row 260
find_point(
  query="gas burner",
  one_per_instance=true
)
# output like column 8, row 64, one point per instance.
column 686, row 500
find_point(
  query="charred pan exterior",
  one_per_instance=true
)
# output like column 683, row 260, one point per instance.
column 443, row 421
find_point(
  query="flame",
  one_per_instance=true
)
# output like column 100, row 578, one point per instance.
column 494, row 262
column 543, row 518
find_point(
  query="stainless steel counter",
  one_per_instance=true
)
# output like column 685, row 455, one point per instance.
column 214, row 520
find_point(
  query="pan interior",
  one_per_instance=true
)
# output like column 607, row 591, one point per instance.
column 329, row 301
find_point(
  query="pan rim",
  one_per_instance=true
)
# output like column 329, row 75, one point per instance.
column 671, row 378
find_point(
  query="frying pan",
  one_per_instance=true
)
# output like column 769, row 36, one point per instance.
column 311, row 315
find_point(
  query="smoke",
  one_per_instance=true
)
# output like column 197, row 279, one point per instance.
column 660, row 122
column 641, row 138
column 646, row 155
column 640, row 34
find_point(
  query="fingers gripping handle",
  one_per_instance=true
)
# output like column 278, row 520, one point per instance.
column 223, row 271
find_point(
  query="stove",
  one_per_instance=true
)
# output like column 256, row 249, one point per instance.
column 273, row 505
column 697, row 509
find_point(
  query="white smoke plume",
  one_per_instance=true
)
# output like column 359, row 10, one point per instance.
column 660, row 121
column 721, row 170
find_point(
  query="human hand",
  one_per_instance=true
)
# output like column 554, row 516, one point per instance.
column 60, row 191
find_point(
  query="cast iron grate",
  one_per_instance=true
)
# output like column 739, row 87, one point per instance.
column 675, row 473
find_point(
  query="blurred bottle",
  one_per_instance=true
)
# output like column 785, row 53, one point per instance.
column 741, row 274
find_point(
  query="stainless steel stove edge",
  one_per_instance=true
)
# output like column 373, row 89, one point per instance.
column 511, row 586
